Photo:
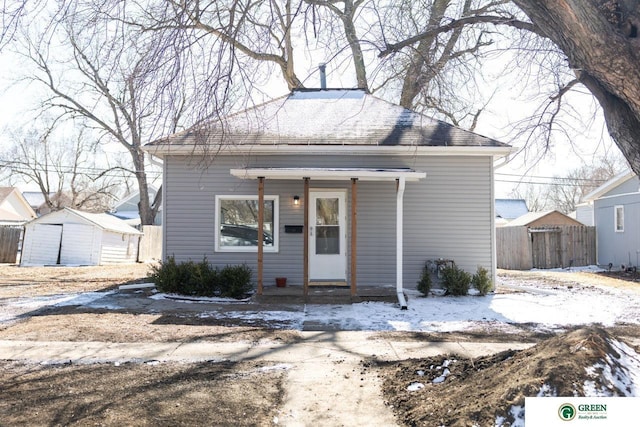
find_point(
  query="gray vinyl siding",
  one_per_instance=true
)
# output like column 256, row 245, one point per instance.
column 446, row 215
column 614, row 247
column 584, row 214
column 630, row 186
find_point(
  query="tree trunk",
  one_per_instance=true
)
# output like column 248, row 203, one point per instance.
column 600, row 39
column 144, row 206
column 356, row 50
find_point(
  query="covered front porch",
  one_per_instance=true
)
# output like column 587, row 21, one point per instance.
column 352, row 175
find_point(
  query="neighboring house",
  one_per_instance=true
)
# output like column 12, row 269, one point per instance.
column 543, row 219
column 71, row 237
column 617, row 184
column 14, row 208
column 356, row 190
column 127, row 209
column 616, row 213
column 509, row 209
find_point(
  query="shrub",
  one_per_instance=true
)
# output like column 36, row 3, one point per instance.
column 424, row 284
column 455, row 281
column 235, row 281
column 201, row 279
column 481, row 281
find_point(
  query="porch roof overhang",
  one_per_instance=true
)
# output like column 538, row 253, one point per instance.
column 329, row 174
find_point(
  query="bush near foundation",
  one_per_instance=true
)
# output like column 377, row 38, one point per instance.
column 201, row 279
column 482, row 282
column 455, row 281
column 425, row 282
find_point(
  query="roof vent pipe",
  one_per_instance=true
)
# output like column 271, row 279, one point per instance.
column 323, row 76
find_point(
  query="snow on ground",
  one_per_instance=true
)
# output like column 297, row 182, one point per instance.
column 13, row 308
column 533, row 303
column 527, row 302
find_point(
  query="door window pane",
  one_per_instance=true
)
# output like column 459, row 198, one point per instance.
column 327, row 240
column 327, row 211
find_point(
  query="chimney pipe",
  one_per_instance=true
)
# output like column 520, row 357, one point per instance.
column 323, row 76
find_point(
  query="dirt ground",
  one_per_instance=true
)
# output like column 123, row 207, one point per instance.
column 250, row 393
column 131, row 394
column 492, row 386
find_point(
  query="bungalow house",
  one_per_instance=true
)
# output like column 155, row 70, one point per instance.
column 616, row 215
column 330, row 187
column 127, row 208
column 14, row 212
column 14, row 208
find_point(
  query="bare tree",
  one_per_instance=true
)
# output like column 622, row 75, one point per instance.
column 600, row 40
column 533, row 195
column 564, row 193
column 105, row 78
column 429, row 51
column 65, row 169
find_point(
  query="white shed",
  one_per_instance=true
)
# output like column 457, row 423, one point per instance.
column 71, row 237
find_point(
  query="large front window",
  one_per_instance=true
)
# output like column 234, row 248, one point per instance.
column 237, row 223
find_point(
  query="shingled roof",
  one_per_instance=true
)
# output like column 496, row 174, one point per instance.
column 327, row 118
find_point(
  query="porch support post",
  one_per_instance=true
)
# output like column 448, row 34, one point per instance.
column 260, row 232
column 399, row 241
column 354, row 234
column 306, row 238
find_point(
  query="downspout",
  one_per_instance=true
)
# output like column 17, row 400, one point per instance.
column 399, row 242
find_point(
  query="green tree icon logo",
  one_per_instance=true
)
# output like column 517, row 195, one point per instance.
column 567, row 412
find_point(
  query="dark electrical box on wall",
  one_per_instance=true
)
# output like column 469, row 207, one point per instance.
column 293, row 229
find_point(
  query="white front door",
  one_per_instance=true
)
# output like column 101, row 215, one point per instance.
column 327, row 236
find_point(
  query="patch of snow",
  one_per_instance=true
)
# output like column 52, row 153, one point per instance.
column 442, row 377
column 586, row 269
column 517, row 412
column 547, row 391
column 88, row 299
column 189, row 299
column 618, row 376
column 278, row 367
column 415, row 386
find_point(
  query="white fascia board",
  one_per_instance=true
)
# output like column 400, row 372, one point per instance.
column 331, row 149
column 328, row 174
column 608, row 186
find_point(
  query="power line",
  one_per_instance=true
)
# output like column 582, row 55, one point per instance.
column 554, row 178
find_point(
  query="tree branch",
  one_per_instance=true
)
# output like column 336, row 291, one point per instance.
column 458, row 23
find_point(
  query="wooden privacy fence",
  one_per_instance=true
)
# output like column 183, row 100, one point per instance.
column 150, row 247
column 9, row 244
column 523, row 248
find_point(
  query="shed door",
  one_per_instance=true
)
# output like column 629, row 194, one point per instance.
column 327, row 236
column 42, row 244
column 77, row 244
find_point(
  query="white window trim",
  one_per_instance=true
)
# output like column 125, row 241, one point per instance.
column 276, row 224
column 615, row 218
